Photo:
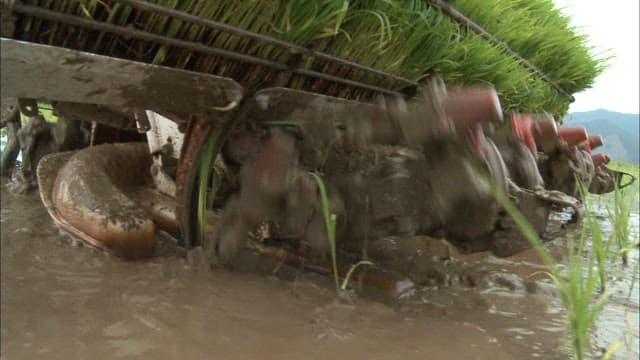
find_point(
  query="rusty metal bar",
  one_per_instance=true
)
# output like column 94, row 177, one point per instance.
column 143, row 5
column 462, row 19
column 193, row 46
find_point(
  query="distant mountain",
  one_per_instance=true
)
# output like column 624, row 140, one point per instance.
column 621, row 132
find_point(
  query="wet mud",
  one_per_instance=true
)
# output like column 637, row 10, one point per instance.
column 61, row 300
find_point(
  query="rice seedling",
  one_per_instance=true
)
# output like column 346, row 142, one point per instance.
column 577, row 281
column 619, row 215
column 347, row 277
column 601, row 249
column 410, row 38
column 205, row 172
column 611, row 351
column 330, row 225
column 578, row 294
column 600, row 246
column 549, row 37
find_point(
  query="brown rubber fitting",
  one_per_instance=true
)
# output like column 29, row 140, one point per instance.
column 595, row 141
column 522, row 126
column 599, row 159
column 470, row 105
column 545, row 131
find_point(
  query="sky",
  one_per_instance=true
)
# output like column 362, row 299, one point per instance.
column 611, row 25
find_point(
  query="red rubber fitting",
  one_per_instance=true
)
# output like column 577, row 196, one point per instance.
column 573, row 136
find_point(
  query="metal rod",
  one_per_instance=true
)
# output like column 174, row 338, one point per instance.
column 462, row 19
column 328, row 77
column 143, row 5
column 129, row 32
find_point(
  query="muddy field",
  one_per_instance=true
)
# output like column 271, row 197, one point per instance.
column 61, row 300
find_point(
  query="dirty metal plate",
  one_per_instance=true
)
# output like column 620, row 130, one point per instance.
column 46, row 72
column 289, row 104
column 318, row 114
column 164, row 131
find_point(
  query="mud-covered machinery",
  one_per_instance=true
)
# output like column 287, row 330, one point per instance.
column 229, row 165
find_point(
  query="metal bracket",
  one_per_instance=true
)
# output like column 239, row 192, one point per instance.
column 620, row 175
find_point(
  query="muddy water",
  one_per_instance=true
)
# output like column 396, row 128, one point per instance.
column 63, row 301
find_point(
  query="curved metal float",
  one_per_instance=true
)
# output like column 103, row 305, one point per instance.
column 104, row 196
